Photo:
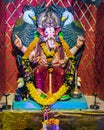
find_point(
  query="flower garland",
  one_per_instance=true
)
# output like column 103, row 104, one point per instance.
column 31, row 46
column 51, row 123
column 49, row 54
column 65, row 47
column 45, row 101
column 46, row 52
column 69, row 76
column 70, row 70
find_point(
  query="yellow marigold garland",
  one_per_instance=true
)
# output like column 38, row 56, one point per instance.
column 31, row 46
column 65, row 47
column 47, row 101
column 46, row 52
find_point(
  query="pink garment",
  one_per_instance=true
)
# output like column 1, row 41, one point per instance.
column 41, row 78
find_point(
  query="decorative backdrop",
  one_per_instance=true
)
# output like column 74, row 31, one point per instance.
column 99, row 51
column 87, row 15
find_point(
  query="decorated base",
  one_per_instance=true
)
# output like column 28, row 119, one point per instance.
column 26, row 105
column 73, row 103
column 59, row 105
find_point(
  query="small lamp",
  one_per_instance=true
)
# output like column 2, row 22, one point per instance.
column 94, row 106
column 76, row 93
column 6, row 106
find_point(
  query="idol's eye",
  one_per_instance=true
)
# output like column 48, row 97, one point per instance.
column 46, row 32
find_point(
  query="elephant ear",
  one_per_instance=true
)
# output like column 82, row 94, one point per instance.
column 70, row 34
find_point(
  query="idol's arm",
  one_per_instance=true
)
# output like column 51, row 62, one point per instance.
column 80, row 42
column 32, row 56
column 19, row 44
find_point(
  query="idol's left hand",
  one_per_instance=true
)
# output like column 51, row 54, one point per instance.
column 80, row 41
column 62, row 63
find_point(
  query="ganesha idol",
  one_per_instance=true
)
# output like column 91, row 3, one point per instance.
column 47, row 63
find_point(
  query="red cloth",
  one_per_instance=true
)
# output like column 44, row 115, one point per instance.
column 99, row 53
column 41, row 78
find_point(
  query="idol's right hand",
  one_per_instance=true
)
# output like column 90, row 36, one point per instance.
column 18, row 42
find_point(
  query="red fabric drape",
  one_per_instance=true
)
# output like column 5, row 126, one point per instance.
column 2, row 47
column 99, row 52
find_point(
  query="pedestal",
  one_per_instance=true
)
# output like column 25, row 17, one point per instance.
column 73, row 103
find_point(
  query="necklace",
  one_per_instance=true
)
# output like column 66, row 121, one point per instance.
column 48, row 53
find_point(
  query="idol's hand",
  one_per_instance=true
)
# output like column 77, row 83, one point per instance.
column 36, row 59
column 18, row 42
column 62, row 63
column 80, row 41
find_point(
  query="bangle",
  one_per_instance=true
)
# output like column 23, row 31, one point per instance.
column 78, row 46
